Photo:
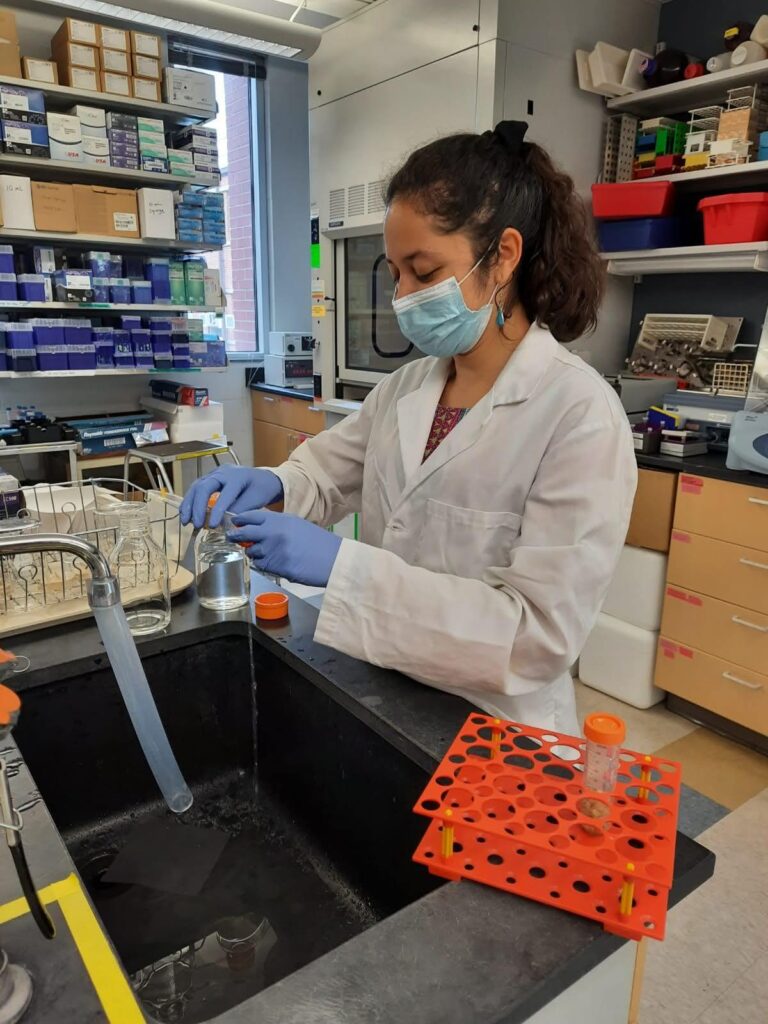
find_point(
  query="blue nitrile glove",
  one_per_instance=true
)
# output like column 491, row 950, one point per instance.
column 240, row 490
column 287, row 546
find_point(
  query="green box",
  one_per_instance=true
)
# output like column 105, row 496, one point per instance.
column 194, row 280
column 678, row 140
column 150, row 124
column 178, row 283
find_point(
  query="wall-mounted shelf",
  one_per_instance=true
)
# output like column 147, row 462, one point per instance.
column 107, row 242
column 693, row 92
column 121, row 371
column 42, row 169
column 107, row 307
column 689, row 259
column 731, row 176
column 61, row 97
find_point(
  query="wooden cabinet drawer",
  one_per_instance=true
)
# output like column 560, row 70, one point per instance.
column 726, row 630
column 273, row 444
column 736, row 693
column 652, row 510
column 729, row 572
column 715, row 508
column 294, row 413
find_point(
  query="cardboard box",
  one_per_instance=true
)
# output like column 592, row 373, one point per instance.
column 146, row 89
column 118, row 121
column 19, row 103
column 25, row 139
column 77, row 55
column 8, row 31
column 115, row 60
column 93, row 120
column 114, row 39
column 16, row 202
column 151, row 126
column 185, row 88
column 10, row 60
column 146, row 44
column 53, row 205
column 96, row 151
column 65, row 137
column 40, row 70
column 79, row 78
column 106, row 211
column 212, row 282
column 154, row 164
column 194, row 282
column 156, row 213
column 146, row 67
column 652, row 512
column 73, row 30
column 117, row 85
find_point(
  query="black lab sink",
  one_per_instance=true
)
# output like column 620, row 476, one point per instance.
column 317, row 808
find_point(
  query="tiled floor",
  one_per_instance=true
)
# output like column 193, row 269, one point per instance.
column 712, row 967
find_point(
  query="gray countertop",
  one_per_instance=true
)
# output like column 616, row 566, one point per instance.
column 430, row 963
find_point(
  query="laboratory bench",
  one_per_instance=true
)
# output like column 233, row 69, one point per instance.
column 448, row 953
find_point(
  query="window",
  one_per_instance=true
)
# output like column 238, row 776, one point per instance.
column 235, row 124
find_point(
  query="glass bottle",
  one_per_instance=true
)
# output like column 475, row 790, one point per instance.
column 141, row 568
column 221, row 567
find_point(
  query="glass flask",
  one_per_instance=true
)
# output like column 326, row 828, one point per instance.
column 221, row 567
column 141, row 568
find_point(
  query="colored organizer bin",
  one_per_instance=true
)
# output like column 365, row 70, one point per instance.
column 736, row 217
column 639, row 233
column 506, row 810
column 626, row 200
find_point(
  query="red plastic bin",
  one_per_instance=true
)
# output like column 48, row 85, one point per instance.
column 625, row 200
column 736, row 217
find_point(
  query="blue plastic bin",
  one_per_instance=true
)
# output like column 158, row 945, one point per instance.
column 642, row 233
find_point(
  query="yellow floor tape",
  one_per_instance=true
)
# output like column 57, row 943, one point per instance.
column 114, row 992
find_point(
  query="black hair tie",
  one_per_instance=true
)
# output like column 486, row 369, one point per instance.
column 511, row 134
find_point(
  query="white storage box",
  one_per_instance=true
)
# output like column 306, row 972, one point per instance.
column 189, row 422
column 636, row 593
column 618, row 659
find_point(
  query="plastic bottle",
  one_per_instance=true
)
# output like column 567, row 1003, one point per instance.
column 604, row 734
column 221, row 567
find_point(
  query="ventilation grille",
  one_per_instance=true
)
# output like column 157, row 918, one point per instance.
column 375, row 196
column 337, row 205
column 356, row 200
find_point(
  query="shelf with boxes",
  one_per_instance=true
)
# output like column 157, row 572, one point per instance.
column 93, row 241
column 127, row 371
column 93, row 58
column 138, row 321
column 64, row 170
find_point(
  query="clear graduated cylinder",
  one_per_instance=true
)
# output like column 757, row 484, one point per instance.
column 604, row 735
column 141, row 568
column 221, row 567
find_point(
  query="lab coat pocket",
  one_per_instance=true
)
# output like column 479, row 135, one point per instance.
column 466, row 541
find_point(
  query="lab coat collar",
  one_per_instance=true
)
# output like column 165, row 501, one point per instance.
column 415, row 411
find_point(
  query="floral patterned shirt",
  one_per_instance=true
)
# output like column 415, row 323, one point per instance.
column 445, row 420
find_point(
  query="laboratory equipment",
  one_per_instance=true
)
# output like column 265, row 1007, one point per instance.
column 289, row 371
column 604, row 735
column 683, row 345
column 140, row 566
column 221, row 566
column 287, row 343
column 748, row 440
column 104, row 601
column 504, row 810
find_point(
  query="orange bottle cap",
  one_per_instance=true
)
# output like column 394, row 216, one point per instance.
column 271, row 606
column 213, row 499
column 10, row 705
column 609, row 730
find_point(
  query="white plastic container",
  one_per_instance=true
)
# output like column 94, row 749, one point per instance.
column 760, row 31
column 619, row 659
column 189, row 422
column 748, row 53
column 607, row 64
column 636, row 593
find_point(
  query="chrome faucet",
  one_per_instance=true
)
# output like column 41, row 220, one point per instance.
column 102, row 588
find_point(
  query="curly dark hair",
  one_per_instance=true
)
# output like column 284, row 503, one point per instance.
column 479, row 185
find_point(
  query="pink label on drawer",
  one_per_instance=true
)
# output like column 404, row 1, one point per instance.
column 694, row 599
column 671, row 592
column 686, row 652
column 691, row 484
column 668, row 654
column 683, row 538
column 667, row 645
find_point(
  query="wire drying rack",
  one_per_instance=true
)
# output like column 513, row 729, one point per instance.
column 41, row 588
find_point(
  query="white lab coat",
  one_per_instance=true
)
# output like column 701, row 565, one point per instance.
column 481, row 571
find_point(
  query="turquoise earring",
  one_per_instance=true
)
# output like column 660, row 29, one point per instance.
column 499, row 317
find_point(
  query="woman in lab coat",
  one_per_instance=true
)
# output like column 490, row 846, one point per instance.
column 495, row 477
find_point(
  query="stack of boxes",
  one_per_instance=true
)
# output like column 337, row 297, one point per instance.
column 659, row 147
column 745, row 117
column 93, row 131
column 152, row 149
column 75, row 51
column 200, row 218
column 100, row 58
column 23, row 122
column 123, row 138
column 202, row 146
column 10, row 59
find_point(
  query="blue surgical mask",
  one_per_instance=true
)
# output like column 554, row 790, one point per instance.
column 438, row 321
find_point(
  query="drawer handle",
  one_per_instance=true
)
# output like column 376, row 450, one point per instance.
column 742, row 682
column 755, row 565
column 757, row 501
column 749, row 625
column 266, row 398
